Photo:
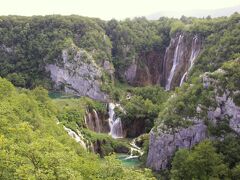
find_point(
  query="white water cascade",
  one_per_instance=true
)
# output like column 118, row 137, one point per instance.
column 134, row 148
column 97, row 121
column 78, row 137
column 115, row 124
column 175, row 63
column 194, row 53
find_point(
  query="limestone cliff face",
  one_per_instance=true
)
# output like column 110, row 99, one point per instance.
column 77, row 73
column 169, row 68
column 145, row 70
column 179, row 59
column 225, row 108
column 163, row 144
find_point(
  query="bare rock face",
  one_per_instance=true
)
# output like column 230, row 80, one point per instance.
column 226, row 108
column 163, row 145
column 78, row 74
column 146, row 69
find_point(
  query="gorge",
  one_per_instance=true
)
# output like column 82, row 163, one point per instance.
column 163, row 94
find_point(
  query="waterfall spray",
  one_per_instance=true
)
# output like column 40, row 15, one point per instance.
column 78, row 137
column 115, row 124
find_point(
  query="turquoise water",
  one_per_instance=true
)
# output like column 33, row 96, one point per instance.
column 128, row 162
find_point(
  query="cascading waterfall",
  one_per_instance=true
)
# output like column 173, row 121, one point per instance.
column 78, row 137
column 194, row 53
column 97, row 121
column 89, row 121
column 92, row 121
column 115, row 124
column 175, row 63
column 183, row 78
column 135, row 148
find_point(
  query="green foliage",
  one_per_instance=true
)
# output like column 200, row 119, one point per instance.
column 29, row 43
column 230, row 148
column 200, row 163
column 34, row 146
column 236, row 172
column 131, row 38
column 143, row 106
column 221, row 43
column 106, row 143
column 182, row 105
column 145, row 147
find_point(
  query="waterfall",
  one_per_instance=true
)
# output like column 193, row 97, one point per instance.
column 78, row 137
column 194, row 53
column 85, row 121
column 89, row 121
column 92, row 121
column 135, row 148
column 115, row 124
column 175, row 63
column 97, row 121
column 183, row 78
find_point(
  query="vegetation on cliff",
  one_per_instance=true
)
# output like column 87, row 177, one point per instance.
column 34, row 146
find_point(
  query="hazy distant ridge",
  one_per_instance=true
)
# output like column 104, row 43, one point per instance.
column 196, row 13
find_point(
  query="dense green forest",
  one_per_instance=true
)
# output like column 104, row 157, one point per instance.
column 33, row 142
column 34, row 146
column 29, row 43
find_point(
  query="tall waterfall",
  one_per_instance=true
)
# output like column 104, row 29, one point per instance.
column 115, row 124
column 78, row 137
column 194, row 53
column 175, row 63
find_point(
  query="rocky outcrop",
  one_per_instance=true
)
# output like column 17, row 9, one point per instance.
column 77, row 73
column 163, row 145
column 225, row 108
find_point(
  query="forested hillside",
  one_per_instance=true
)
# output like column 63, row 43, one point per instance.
column 135, row 47
column 83, row 98
column 35, row 146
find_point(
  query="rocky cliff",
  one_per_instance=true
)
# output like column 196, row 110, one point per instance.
column 165, row 142
column 163, row 145
column 145, row 70
column 78, row 73
column 169, row 68
column 179, row 59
